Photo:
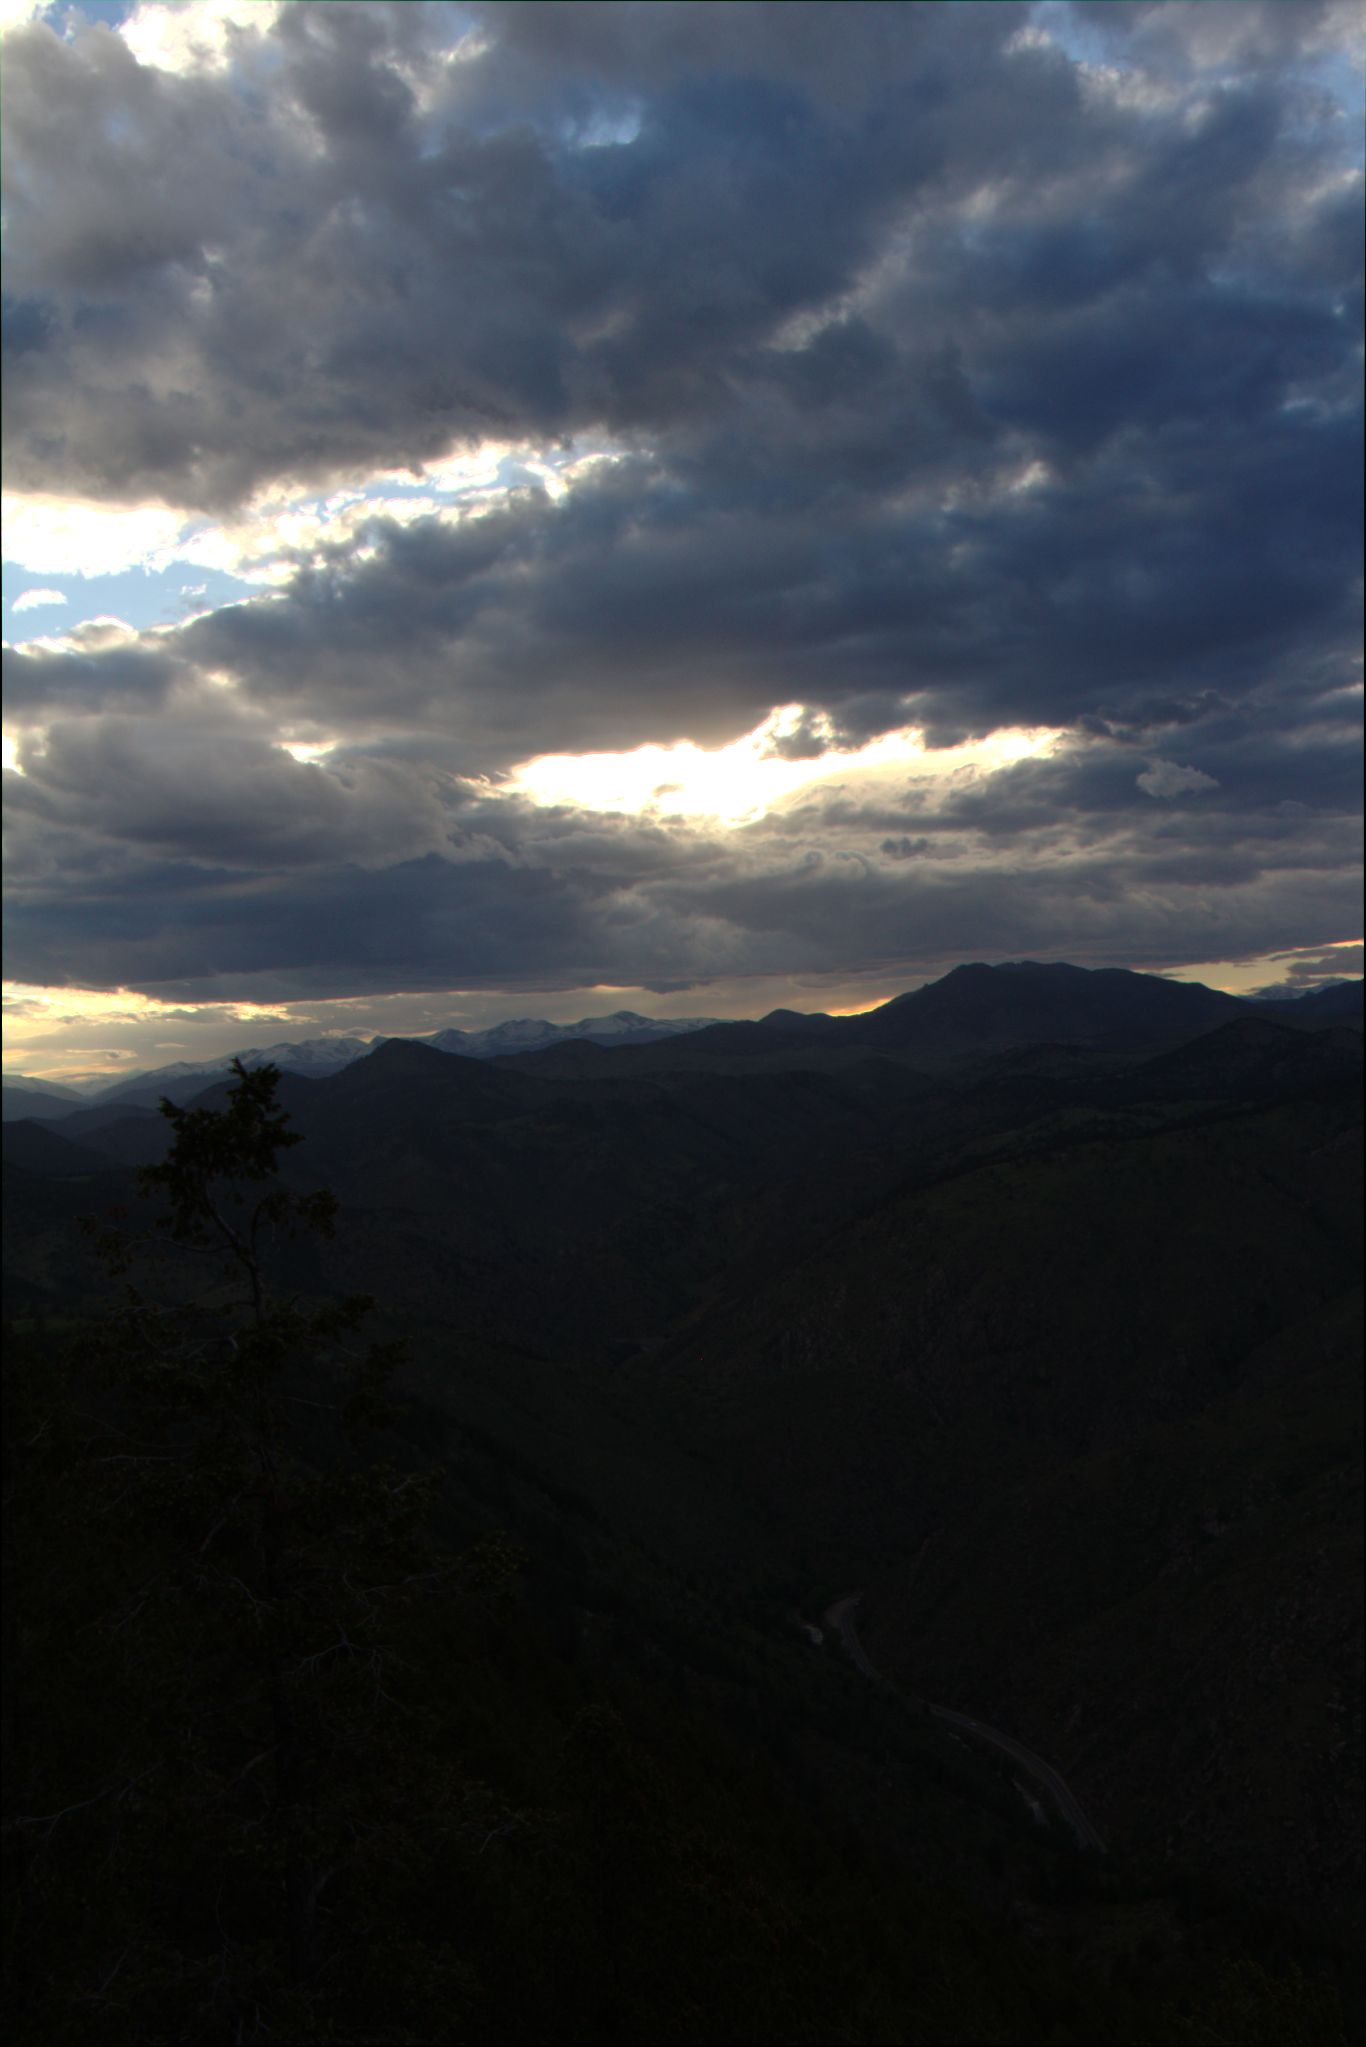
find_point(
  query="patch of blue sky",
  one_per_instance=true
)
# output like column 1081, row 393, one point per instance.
column 173, row 584
column 143, row 598
column 1075, row 35
column 1338, row 74
column 65, row 19
column 1329, row 65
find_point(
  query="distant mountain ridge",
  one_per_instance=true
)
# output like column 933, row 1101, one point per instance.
column 44, row 1087
column 974, row 1010
column 977, row 1011
column 532, row 1034
column 320, row 1058
column 25, row 1097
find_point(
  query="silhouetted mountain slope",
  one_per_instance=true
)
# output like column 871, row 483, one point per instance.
column 23, row 1099
column 315, row 1058
column 978, row 1009
column 45, row 1151
column 567, row 1214
column 807, row 1309
column 997, row 1326
column 743, row 1049
column 584, row 1058
column 56, row 1088
column 321, row 1058
column 85, row 1125
column 403, row 1071
column 1252, row 1055
column 973, row 1012
column 1177, row 1620
column 568, row 1209
column 595, row 1778
column 1341, row 1003
column 48, row 1262
column 969, row 1311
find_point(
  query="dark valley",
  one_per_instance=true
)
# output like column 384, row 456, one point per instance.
column 919, row 1455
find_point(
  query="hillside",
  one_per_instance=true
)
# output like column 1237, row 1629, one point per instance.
column 1047, row 1345
column 24, row 1097
column 1232, row 1537
column 999, row 1367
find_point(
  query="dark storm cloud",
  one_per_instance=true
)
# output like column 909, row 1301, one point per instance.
column 363, row 255
column 949, row 382
column 201, row 789
column 640, row 608
column 159, row 886
column 89, row 670
column 335, row 932
column 1259, row 31
column 185, row 934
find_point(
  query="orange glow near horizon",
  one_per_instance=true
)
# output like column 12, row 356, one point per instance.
column 84, row 1034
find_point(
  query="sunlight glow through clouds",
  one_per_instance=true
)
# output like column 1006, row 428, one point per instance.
column 64, row 536
column 193, row 38
column 37, row 1020
column 734, row 784
column 278, row 529
column 1245, row 976
column 77, row 1005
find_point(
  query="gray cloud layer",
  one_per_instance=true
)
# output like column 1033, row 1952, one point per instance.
column 955, row 377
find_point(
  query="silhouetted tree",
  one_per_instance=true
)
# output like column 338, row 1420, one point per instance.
column 218, row 1769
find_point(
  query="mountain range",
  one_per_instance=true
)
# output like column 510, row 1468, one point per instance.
column 318, row 1057
column 1027, row 1305
column 972, row 1009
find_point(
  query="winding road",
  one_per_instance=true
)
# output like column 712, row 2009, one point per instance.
column 840, row 1616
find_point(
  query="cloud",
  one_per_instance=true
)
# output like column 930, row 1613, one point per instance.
column 970, row 370
column 215, row 792
column 32, row 599
column 1167, row 778
column 1303, row 973
column 210, row 866
column 18, row 13
column 44, row 533
column 202, row 37
column 465, row 263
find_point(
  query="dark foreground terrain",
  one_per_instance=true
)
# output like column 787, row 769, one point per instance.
column 843, row 1470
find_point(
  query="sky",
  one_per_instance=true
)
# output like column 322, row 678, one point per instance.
column 535, row 510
